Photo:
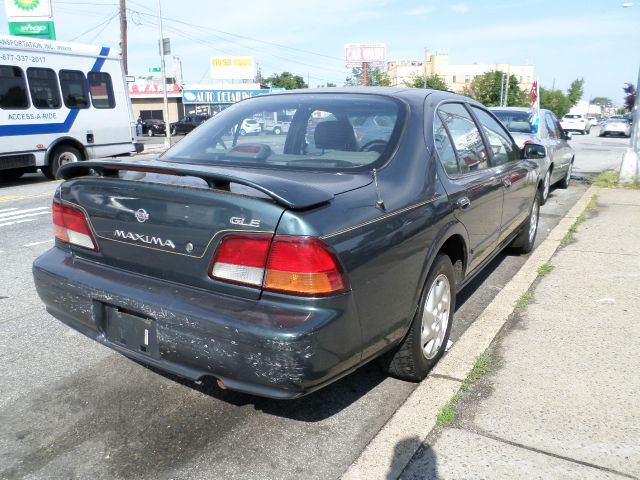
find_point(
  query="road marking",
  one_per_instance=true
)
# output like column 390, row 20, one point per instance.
column 7, row 209
column 37, row 243
column 17, row 221
column 16, row 212
column 9, row 198
column 21, row 216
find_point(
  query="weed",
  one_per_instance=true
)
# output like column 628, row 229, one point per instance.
column 593, row 202
column 447, row 414
column 611, row 179
column 524, row 300
column 545, row 268
column 481, row 367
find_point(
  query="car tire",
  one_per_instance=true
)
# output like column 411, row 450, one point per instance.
column 564, row 183
column 174, row 131
column 526, row 239
column 60, row 156
column 277, row 131
column 150, row 133
column 243, row 132
column 545, row 187
column 429, row 332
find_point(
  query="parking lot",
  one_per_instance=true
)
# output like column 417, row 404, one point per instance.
column 71, row 408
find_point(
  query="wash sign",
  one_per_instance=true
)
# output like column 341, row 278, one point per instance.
column 191, row 97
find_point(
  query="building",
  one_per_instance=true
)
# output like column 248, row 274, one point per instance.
column 147, row 100
column 401, row 72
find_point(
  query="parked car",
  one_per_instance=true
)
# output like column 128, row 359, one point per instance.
column 276, row 127
column 153, row 126
column 573, row 122
column 275, row 270
column 250, row 126
column 525, row 127
column 593, row 121
column 615, row 126
column 187, row 124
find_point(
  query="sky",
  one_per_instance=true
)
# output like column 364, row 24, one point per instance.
column 597, row 40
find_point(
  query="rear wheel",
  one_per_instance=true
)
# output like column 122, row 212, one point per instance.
column 174, row 131
column 525, row 240
column 277, row 131
column 427, row 338
column 150, row 132
column 564, row 183
column 243, row 132
column 61, row 156
column 545, row 187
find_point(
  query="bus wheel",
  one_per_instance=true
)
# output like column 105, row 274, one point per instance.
column 59, row 157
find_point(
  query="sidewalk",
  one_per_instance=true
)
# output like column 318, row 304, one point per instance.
column 563, row 400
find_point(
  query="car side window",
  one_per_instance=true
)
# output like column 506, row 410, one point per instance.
column 557, row 127
column 446, row 153
column 503, row 149
column 468, row 143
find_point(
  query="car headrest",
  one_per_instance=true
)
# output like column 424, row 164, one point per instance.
column 335, row 135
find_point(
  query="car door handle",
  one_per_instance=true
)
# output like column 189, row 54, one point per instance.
column 507, row 183
column 463, row 203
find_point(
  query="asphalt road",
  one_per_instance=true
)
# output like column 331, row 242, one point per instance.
column 70, row 408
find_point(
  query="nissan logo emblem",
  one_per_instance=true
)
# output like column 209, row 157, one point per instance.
column 142, row 215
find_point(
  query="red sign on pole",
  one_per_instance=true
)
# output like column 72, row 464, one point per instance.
column 358, row 53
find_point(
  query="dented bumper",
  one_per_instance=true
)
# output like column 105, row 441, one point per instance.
column 275, row 347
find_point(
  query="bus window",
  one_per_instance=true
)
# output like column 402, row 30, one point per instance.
column 74, row 89
column 43, row 85
column 13, row 88
column 101, row 90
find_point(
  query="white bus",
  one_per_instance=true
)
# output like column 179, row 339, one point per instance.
column 61, row 102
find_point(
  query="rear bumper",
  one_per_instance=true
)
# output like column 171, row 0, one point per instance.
column 267, row 347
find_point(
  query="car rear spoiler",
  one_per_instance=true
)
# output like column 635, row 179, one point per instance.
column 285, row 192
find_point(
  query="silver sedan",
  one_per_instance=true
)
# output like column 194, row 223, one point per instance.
column 616, row 126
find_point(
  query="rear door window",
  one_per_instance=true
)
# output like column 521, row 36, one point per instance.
column 502, row 148
column 467, row 140
column 13, row 88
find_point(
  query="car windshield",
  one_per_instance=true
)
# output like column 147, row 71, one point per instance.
column 327, row 131
column 517, row 121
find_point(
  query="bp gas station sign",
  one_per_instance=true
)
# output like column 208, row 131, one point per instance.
column 30, row 18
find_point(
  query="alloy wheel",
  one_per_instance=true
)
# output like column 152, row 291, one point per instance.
column 435, row 316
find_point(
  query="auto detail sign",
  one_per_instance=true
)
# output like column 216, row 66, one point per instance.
column 202, row 96
column 358, row 53
column 232, row 68
column 20, row 9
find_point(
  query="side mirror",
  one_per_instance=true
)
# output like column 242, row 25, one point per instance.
column 534, row 151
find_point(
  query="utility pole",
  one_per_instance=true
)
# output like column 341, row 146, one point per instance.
column 123, row 34
column 167, row 141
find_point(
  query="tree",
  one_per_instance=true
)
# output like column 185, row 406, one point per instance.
column 603, row 102
column 486, row 89
column 376, row 77
column 630, row 97
column 560, row 103
column 433, row 81
column 286, row 80
column 576, row 89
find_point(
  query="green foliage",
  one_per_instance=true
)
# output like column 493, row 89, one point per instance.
column 376, row 77
column 560, row 103
column 434, row 82
column 486, row 89
column 447, row 414
column 481, row 367
column 525, row 299
column 602, row 102
column 545, row 268
column 286, row 80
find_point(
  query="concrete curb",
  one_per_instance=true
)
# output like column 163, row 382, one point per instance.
column 392, row 448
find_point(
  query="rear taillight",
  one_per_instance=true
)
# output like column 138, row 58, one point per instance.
column 286, row 264
column 70, row 225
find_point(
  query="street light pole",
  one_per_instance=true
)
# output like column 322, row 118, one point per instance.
column 167, row 142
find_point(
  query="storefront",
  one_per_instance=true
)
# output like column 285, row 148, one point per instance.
column 147, row 100
column 211, row 99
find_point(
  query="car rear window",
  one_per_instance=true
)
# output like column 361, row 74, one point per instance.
column 330, row 131
column 573, row 116
column 517, row 121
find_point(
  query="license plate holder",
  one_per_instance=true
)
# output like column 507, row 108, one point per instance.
column 131, row 330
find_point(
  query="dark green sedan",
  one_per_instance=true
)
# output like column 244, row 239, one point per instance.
column 276, row 264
